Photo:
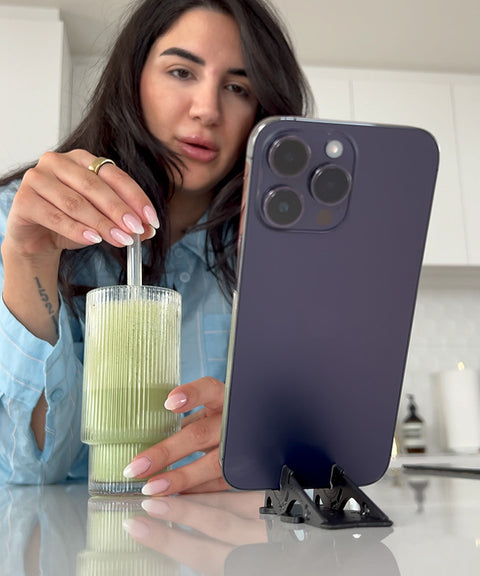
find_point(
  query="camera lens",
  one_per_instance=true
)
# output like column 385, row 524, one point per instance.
column 282, row 207
column 289, row 156
column 330, row 184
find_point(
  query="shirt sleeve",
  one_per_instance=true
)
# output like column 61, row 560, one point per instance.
column 29, row 366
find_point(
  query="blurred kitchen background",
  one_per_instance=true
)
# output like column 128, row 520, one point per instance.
column 413, row 62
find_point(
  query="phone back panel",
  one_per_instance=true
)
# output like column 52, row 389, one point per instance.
column 324, row 306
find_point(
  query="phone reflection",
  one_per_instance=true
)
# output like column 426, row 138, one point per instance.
column 311, row 551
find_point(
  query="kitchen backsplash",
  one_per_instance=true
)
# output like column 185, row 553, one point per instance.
column 446, row 331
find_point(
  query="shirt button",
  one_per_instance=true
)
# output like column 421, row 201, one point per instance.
column 56, row 395
column 178, row 252
column 184, row 277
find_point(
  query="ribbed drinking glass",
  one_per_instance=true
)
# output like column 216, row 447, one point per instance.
column 131, row 363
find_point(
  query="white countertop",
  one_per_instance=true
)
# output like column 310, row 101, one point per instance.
column 59, row 530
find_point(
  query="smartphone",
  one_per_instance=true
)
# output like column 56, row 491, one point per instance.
column 333, row 230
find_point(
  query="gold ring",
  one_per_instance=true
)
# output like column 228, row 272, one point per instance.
column 98, row 163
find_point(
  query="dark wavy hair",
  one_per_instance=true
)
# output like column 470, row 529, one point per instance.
column 114, row 126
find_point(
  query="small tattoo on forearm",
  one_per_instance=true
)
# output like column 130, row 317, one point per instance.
column 48, row 305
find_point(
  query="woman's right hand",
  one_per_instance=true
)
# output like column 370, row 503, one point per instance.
column 62, row 204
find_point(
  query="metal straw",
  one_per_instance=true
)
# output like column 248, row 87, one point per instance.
column 134, row 262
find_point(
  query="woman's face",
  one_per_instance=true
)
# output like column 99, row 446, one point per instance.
column 196, row 97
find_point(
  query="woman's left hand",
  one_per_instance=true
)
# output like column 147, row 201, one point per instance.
column 200, row 432
column 202, row 530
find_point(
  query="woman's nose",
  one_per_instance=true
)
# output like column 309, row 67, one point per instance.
column 206, row 104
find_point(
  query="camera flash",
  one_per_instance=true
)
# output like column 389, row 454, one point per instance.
column 334, row 149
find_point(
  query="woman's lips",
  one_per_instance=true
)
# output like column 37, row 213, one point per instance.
column 198, row 149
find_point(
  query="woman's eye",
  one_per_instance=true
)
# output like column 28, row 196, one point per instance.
column 181, row 73
column 238, row 89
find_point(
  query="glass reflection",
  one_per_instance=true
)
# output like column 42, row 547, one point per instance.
column 109, row 548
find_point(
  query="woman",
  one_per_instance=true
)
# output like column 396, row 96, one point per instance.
column 185, row 83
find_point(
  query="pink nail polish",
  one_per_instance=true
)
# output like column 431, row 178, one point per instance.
column 133, row 223
column 156, row 487
column 92, row 236
column 156, row 506
column 121, row 237
column 137, row 467
column 151, row 216
column 175, row 401
column 136, row 528
column 150, row 232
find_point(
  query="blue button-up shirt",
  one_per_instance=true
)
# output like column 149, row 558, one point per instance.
column 29, row 366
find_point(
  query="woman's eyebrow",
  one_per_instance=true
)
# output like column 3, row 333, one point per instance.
column 183, row 54
column 174, row 51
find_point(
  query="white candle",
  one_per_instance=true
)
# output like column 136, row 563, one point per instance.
column 459, row 404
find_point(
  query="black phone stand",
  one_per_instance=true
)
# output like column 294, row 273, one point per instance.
column 327, row 508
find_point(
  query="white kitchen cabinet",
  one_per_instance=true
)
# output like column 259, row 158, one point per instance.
column 35, row 73
column 445, row 105
column 466, row 95
column 416, row 101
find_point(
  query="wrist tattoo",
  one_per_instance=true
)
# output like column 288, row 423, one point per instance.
column 48, row 305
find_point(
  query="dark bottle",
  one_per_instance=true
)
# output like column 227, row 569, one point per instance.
column 413, row 429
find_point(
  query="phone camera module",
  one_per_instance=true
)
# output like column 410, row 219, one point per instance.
column 289, row 156
column 283, row 207
column 331, row 184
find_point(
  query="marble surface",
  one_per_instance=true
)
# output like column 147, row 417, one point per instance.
column 60, row 530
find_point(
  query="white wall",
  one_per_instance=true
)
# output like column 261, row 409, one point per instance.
column 35, row 79
column 86, row 72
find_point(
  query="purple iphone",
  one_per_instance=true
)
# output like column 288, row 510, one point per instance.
column 334, row 225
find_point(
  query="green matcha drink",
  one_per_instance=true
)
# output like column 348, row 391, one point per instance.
column 131, row 363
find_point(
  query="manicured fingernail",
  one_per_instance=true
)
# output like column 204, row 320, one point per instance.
column 133, row 223
column 156, row 487
column 151, row 216
column 121, row 237
column 92, row 236
column 156, row 506
column 136, row 528
column 150, row 232
column 175, row 401
column 137, row 467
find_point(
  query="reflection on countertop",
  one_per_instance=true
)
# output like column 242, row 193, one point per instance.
column 42, row 529
column 59, row 530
